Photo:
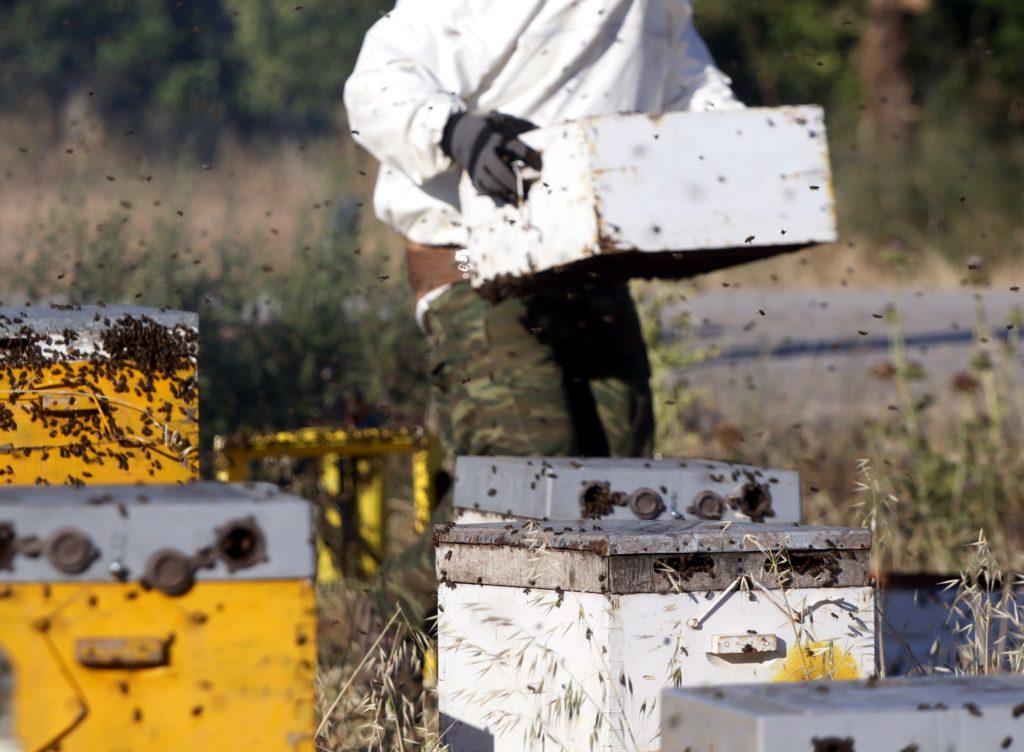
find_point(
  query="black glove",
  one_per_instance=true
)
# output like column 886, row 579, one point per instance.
column 485, row 147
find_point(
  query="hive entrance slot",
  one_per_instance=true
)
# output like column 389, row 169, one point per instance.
column 597, row 498
column 8, row 546
column 754, row 500
column 686, row 566
column 822, row 566
column 241, row 544
column 832, row 744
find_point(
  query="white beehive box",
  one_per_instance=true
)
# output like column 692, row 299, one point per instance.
column 922, row 714
column 561, row 488
column 680, row 194
column 562, row 636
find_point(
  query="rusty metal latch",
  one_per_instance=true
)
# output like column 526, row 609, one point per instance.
column 68, row 403
column 123, row 652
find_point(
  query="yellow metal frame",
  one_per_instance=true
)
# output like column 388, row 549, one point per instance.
column 366, row 448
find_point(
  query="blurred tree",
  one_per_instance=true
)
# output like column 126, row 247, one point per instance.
column 148, row 62
column 276, row 65
column 295, row 58
column 184, row 64
column 888, row 90
column 784, row 51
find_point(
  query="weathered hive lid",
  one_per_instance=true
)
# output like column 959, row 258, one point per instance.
column 627, row 537
column 637, row 556
column 88, row 330
column 113, row 533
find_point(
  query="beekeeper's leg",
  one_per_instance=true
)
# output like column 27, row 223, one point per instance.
column 595, row 332
column 496, row 389
column 499, row 387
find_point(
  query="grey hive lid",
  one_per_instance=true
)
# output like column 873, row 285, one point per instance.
column 547, row 465
column 913, row 694
column 126, row 526
column 571, row 488
column 54, row 320
column 628, row 537
column 208, row 492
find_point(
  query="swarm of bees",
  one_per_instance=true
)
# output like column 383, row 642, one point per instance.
column 114, row 399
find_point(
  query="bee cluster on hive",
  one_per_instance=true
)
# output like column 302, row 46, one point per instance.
column 93, row 394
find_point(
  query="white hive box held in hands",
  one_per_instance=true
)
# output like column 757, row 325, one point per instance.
column 562, row 635
column 922, row 714
column 669, row 196
column 559, row 488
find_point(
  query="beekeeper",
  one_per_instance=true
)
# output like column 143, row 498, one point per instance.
column 446, row 87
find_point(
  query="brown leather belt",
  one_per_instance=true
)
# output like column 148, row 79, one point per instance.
column 431, row 266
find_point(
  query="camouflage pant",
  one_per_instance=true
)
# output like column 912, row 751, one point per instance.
column 561, row 372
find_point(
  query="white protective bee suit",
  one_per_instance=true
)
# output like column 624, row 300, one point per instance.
column 547, row 61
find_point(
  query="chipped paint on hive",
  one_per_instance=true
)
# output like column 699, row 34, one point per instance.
column 817, row 660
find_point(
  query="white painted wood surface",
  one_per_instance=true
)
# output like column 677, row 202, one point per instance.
column 681, row 182
column 551, row 487
column 529, row 669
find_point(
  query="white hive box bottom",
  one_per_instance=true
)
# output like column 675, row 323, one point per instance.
column 673, row 195
column 563, row 638
column 923, row 714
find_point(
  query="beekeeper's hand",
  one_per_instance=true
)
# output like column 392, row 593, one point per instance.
column 485, row 146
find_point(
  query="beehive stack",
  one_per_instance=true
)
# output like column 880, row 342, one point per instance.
column 98, row 394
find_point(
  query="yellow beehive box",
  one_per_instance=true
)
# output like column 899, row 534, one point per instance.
column 98, row 394
column 158, row 618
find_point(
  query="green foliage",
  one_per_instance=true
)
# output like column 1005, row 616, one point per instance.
column 295, row 62
column 276, row 64
column 280, row 347
column 940, row 487
column 185, row 65
column 969, row 51
column 784, row 51
column 953, row 190
column 149, row 58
